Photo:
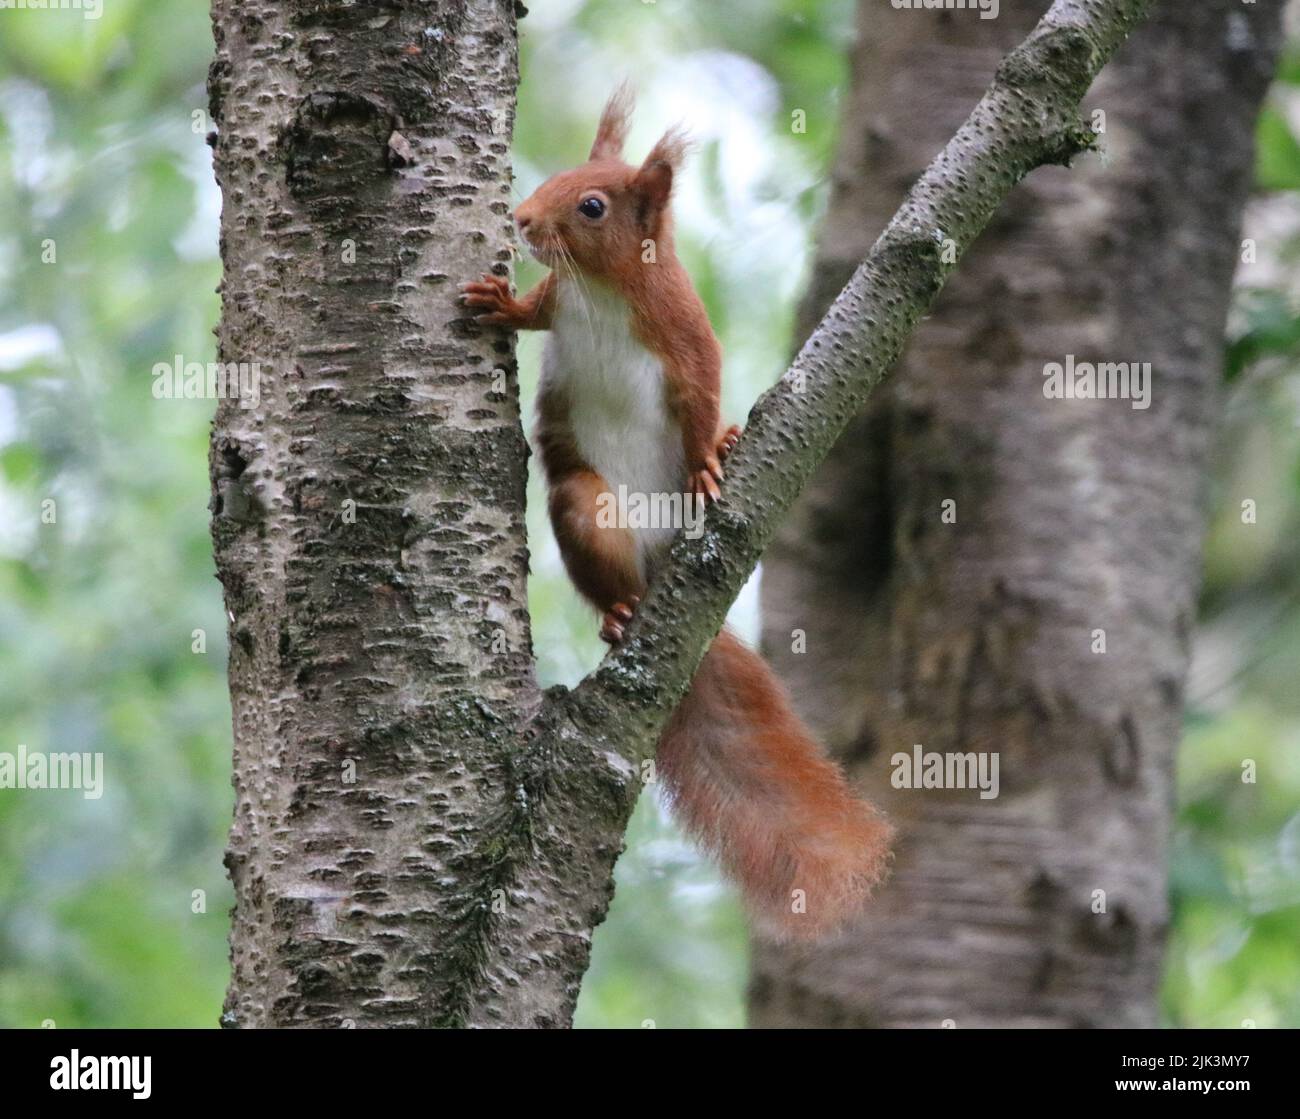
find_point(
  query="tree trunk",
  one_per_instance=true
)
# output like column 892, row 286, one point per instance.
column 1077, row 528
column 369, row 513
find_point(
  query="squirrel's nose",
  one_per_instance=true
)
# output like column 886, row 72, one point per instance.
column 523, row 224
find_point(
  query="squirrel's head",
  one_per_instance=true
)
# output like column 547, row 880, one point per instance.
column 598, row 217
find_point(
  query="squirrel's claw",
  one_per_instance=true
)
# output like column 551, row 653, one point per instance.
column 490, row 282
column 704, row 482
column 491, row 288
column 492, row 293
column 618, row 615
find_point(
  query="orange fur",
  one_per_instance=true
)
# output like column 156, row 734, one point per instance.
column 749, row 781
column 600, row 561
column 742, row 772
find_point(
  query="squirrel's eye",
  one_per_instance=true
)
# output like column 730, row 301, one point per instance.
column 591, row 208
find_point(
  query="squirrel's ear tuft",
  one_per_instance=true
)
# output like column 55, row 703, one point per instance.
column 654, row 181
column 612, row 130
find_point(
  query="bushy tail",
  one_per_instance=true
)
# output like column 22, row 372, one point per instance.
column 753, row 786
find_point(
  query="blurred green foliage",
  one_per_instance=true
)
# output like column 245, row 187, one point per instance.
column 107, row 265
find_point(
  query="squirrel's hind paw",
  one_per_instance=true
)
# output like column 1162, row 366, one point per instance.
column 618, row 615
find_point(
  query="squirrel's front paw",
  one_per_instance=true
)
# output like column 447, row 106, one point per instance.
column 492, row 296
column 704, row 480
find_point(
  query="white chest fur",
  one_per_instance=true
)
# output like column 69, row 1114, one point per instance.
column 617, row 399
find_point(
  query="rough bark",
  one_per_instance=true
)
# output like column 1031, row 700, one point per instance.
column 368, row 514
column 1072, row 517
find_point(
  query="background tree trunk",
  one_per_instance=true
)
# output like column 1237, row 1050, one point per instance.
column 1072, row 517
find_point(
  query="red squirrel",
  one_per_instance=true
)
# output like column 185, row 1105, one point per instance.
column 629, row 396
